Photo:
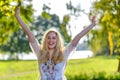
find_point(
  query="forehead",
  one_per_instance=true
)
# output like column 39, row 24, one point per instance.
column 52, row 33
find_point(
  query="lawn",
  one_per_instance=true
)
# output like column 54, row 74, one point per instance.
column 90, row 68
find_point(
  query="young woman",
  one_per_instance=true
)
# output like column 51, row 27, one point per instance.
column 51, row 55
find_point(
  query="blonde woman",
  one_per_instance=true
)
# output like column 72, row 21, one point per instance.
column 52, row 57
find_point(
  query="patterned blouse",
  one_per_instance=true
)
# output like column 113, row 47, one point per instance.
column 49, row 71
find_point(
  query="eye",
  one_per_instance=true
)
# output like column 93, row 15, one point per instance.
column 48, row 37
column 54, row 37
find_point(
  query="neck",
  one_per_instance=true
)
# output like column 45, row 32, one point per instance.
column 51, row 53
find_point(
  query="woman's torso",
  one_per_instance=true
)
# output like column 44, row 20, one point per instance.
column 56, row 71
column 50, row 71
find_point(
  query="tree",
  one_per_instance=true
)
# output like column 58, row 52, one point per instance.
column 10, row 35
column 108, row 14
column 17, row 45
column 8, row 24
column 108, row 11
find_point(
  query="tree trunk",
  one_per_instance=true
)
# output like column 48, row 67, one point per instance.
column 119, row 64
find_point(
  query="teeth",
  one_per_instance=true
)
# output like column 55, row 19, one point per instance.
column 50, row 43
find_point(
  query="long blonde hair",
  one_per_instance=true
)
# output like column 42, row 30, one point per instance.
column 58, row 50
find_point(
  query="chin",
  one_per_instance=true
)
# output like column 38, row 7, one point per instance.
column 51, row 47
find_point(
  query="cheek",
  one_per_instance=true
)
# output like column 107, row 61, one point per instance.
column 56, row 40
column 47, row 40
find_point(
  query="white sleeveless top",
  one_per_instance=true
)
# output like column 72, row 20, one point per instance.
column 50, row 71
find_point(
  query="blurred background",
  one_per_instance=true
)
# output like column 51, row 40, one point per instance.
column 69, row 17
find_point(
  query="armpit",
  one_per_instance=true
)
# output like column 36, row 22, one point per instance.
column 68, row 49
column 35, row 47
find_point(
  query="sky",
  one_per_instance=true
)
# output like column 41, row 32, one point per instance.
column 58, row 7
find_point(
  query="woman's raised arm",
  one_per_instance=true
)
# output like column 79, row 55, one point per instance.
column 83, row 32
column 29, row 34
column 31, row 37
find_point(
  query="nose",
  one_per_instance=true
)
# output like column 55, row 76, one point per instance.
column 50, row 39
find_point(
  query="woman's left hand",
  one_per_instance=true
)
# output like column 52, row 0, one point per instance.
column 94, row 20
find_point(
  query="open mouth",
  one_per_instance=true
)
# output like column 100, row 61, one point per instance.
column 51, row 44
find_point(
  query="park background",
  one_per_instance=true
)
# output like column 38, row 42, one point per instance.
column 69, row 17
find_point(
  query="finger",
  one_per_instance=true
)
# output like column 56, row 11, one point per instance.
column 94, row 18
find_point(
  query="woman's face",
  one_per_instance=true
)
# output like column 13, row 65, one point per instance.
column 51, row 40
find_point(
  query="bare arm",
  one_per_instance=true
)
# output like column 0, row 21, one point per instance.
column 28, row 32
column 30, row 36
column 83, row 32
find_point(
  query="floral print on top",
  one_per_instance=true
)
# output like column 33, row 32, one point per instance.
column 49, row 71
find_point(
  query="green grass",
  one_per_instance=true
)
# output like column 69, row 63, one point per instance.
column 90, row 65
column 12, row 67
column 82, row 68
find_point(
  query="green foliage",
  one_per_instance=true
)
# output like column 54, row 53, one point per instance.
column 8, row 23
column 11, row 38
column 117, row 50
column 18, row 44
column 5, row 8
column 63, row 25
column 46, row 15
column 107, row 12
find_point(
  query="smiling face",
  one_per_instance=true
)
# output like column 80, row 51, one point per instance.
column 51, row 46
column 51, row 40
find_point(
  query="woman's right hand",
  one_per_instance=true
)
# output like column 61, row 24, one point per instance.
column 17, row 10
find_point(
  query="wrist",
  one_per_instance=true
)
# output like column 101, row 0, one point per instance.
column 93, row 24
column 16, row 14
